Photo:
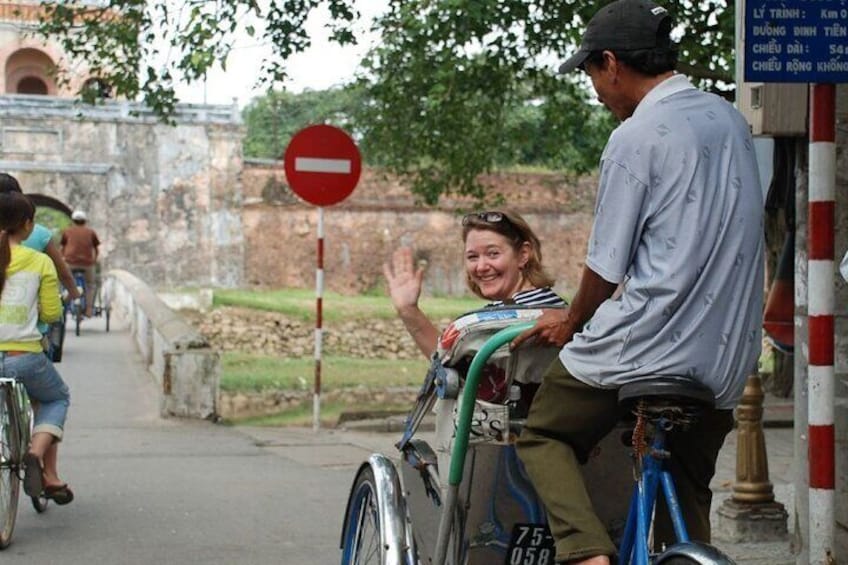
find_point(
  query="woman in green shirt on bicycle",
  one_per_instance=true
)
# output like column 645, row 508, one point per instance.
column 29, row 294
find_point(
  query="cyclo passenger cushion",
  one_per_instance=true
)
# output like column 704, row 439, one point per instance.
column 466, row 335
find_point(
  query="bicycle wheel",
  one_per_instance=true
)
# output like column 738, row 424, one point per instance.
column 362, row 544
column 77, row 315
column 108, row 315
column 692, row 553
column 10, row 458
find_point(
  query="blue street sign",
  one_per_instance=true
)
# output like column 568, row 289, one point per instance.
column 796, row 41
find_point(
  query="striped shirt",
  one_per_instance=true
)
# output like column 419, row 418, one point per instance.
column 535, row 297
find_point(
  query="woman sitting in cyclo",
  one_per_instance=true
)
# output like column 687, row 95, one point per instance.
column 503, row 264
column 29, row 293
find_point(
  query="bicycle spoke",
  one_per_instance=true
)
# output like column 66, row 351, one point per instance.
column 369, row 533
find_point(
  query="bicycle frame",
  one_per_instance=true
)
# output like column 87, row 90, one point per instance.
column 653, row 476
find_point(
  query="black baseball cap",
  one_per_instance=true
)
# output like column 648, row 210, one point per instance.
column 623, row 25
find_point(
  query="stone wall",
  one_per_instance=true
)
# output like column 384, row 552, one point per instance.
column 362, row 231
column 241, row 404
column 271, row 333
column 164, row 199
column 178, row 206
column 186, row 369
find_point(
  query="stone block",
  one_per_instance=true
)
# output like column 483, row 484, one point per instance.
column 740, row 522
column 190, row 383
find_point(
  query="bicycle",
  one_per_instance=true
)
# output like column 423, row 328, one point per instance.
column 15, row 433
column 662, row 404
column 463, row 497
column 101, row 306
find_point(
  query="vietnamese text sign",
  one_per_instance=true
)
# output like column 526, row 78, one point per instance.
column 796, row 41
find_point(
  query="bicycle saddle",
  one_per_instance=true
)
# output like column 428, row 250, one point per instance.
column 668, row 389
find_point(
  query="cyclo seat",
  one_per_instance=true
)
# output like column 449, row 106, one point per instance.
column 667, row 387
column 666, row 395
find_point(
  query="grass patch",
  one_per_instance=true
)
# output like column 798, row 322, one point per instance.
column 300, row 303
column 243, row 371
column 302, row 415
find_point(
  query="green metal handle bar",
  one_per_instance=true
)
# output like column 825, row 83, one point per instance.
column 469, row 395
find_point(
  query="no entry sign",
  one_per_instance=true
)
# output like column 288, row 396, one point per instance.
column 322, row 164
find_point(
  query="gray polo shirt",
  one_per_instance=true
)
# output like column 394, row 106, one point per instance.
column 679, row 220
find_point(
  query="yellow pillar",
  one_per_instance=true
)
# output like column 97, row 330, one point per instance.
column 751, row 514
column 752, row 475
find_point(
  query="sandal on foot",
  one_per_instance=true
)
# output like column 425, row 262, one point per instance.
column 33, row 475
column 60, row 494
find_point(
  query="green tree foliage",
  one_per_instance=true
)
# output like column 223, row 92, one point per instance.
column 445, row 89
column 271, row 120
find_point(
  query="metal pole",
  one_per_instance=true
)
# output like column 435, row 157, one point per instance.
column 821, row 301
column 319, row 294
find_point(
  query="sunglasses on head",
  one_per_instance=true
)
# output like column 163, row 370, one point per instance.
column 488, row 217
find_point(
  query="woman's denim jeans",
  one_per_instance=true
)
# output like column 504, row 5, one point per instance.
column 46, row 389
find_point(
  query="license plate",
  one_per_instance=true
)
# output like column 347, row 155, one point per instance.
column 531, row 544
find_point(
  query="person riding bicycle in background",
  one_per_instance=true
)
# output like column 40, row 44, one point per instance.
column 679, row 224
column 503, row 262
column 41, row 239
column 79, row 247
column 29, row 293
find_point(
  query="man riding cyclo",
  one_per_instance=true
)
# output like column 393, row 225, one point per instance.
column 80, row 249
column 678, row 228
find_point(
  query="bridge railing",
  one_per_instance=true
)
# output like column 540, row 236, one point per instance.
column 185, row 367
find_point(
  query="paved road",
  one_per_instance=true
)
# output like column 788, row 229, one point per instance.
column 171, row 491
column 182, row 492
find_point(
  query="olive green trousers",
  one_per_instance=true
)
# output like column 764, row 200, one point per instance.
column 566, row 420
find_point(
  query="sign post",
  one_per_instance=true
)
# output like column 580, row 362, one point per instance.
column 322, row 166
column 794, row 41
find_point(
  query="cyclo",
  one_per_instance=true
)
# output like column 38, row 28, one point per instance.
column 467, row 499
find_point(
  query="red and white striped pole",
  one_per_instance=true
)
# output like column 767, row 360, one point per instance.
column 319, row 295
column 821, row 301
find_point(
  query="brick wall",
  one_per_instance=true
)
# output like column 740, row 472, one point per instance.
column 361, row 232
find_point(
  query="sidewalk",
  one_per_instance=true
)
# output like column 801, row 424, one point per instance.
column 780, row 450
